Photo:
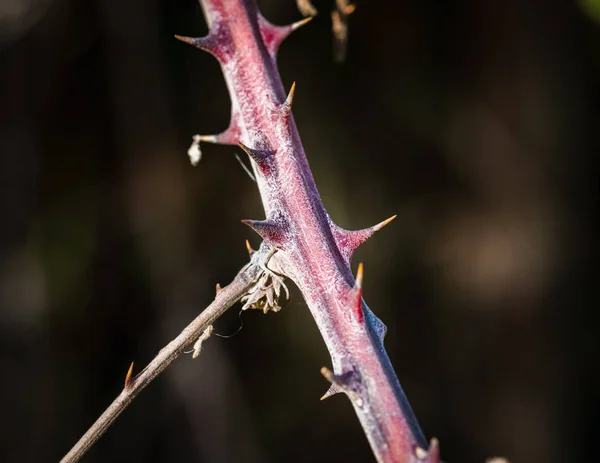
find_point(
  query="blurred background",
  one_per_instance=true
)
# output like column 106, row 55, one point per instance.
column 475, row 122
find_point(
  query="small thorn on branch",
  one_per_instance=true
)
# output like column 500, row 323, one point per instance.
column 218, row 288
column 329, row 376
column 355, row 295
column 261, row 158
column 380, row 225
column 128, row 376
column 346, row 382
column 286, row 107
column 203, row 43
column 359, row 276
column 274, row 35
column 249, row 248
column 302, row 22
column 269, row 230
column 333, row 389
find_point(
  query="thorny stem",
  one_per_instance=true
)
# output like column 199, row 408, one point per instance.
column 314, row 252
column 224, row 299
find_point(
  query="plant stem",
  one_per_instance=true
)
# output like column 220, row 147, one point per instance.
column 225, row 298
column 314, row 252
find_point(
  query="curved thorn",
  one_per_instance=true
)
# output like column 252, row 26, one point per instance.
column 218, row 288
column 128, row 376
column 249, row 248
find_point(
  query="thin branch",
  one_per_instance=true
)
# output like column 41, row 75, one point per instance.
column 224, row 299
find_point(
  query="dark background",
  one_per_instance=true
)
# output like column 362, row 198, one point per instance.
column 475, row 122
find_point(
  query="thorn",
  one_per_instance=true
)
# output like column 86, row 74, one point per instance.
column 208, row 138
column 302, row 22
column 218, row 288
column 333, row 389
column 249, row 248
column 128, row 376
column 290, row 97
column 359, row 276
column 270, row 231
column 273, row 35
column 349, row 240
column 346, row 382
column 380, row 225
column 286, row 107
column 328, row 374
column 203, row 43
column 355, row 295
column 260, row 157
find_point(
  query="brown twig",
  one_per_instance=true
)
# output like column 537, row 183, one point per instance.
column 224, row 299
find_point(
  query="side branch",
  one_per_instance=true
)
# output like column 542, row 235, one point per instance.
column 225, row 298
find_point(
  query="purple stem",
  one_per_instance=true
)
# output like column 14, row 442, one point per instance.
column 313, row 251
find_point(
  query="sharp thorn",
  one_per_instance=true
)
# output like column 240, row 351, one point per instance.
column 208, row 138
column 302, row 22
column 328, row 374
column 249, row 248
column 188, row 40
column 128, row 376
column 256, row 155
column 218, row 288
column 359, row 276
column 246, row 149
column 203, row 43
column 290, row 98
column 333, row 389
column 379, row 226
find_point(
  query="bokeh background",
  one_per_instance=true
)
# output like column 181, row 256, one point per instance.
column 476, row 122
